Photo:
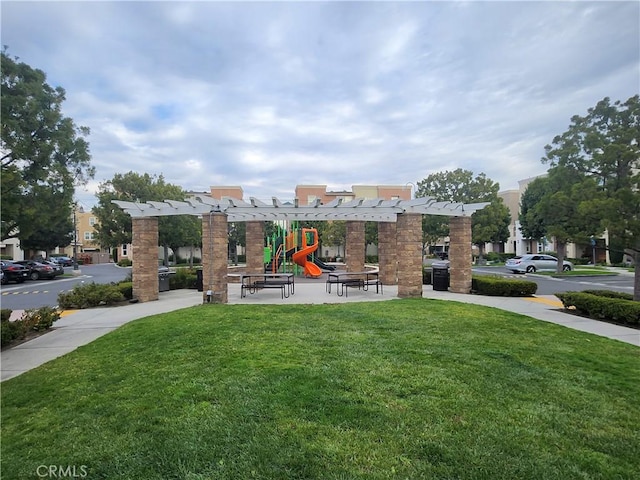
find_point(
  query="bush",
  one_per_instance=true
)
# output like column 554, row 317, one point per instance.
column 183, row 278
column 40, row 319
column 610, row 294
column 600, row 307
column 124, row 262
column 126, row 288
column 496, row 286
column 426, row 275
column 5, row 314
column 90, row 295
column 11, row 331
column 36, row 319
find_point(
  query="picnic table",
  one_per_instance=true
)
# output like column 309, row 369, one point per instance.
column 252, row 282
column 344, row 280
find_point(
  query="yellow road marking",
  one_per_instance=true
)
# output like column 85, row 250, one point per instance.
column 64, row 313
column 546, row 301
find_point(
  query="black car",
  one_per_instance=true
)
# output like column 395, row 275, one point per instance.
column 57, row 268
column 13, row 272
column 38, row 270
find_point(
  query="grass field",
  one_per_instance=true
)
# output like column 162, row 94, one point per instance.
column 404, row 389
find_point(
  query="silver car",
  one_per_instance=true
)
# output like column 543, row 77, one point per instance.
column 531, row 263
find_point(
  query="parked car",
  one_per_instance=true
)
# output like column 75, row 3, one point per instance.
column 13, row 272
column 57, row 268
column 38, row 270
column 531, row 263
column 64, row 261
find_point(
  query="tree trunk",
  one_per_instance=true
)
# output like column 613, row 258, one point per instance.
column 166, row 256
column 562, row 252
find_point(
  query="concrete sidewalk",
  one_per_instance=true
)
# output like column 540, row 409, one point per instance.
column 80, row 327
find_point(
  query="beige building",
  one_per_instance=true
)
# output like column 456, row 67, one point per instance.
column 519, row 245
column 308, row 194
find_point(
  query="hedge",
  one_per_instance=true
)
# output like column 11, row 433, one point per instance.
column 602, row 307
column 497, row 286
column 35, row 319
column 90, row 295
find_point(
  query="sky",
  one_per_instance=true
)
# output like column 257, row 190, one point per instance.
column 269, row 95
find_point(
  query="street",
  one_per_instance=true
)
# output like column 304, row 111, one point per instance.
column 40, row 293
column 549, row 285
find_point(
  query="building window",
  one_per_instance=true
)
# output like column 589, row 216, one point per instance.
column 92, row 221
column 540, row 247
column 88, row 236
column 124, row 250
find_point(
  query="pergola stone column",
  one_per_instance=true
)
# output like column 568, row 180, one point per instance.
column 460, row 254
column 145, row 258
column 354, row 249
column 215, row 246
column 387, row 257
column 255, row 247
column 409, row 254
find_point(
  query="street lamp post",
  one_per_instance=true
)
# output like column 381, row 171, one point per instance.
column 75, row 241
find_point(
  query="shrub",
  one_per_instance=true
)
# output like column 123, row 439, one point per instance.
column 426, row 275
column 126, row 288
column 36, row 319
column 183, row 278
column 610, row 294
column 90, row 295
column 599, row 307
column 124, row 262
column 5, row 314
column 11, row 331
column 40, row 319
column 496, row 286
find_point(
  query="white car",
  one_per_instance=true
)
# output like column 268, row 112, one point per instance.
column 531, row 263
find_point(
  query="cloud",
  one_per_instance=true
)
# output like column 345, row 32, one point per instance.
column 271, row 95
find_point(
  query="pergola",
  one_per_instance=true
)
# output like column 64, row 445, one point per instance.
column 399, row 237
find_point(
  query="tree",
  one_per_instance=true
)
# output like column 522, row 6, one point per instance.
column 335, row 234
column 53, row 229
column 604, row 146
column 532, row 221
column 237, row 235
column 114, row 227
column 490, row 224
column 44, row 156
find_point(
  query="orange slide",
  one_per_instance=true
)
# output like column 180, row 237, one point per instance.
column 300, row 257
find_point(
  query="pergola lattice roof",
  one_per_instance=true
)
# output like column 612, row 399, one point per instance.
column 376, row 210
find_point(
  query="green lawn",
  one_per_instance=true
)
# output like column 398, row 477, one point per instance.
column 402, row 389
column 580, row 270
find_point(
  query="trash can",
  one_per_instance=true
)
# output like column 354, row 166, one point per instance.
column 440, row 279
column 163, row 279
column 199, row 280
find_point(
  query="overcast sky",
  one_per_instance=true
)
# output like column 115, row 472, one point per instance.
column 270, row 95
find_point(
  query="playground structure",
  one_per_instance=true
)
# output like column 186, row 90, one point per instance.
column 299, row 245
column 399, row 238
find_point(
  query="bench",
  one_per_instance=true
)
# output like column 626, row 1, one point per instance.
column 254, row 282
column 346, row 280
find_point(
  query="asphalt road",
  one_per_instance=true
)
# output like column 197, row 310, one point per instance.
column 40, row 293
column 550, row 285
